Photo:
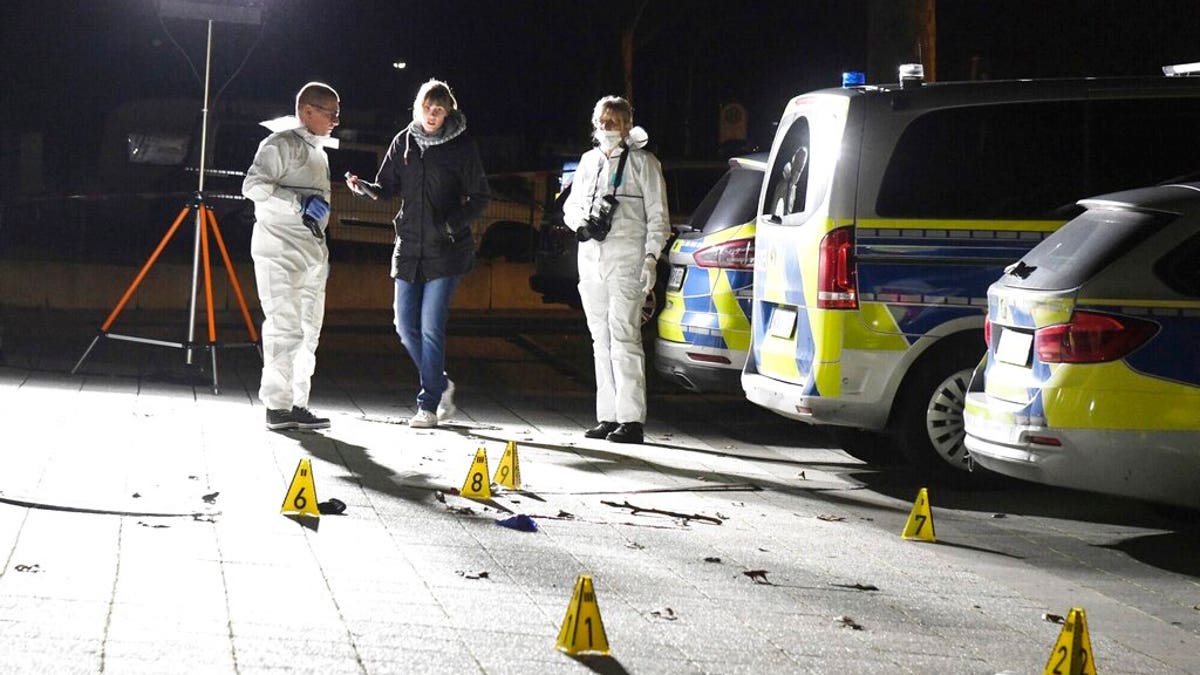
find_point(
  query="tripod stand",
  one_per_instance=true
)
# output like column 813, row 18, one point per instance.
column 205, row 220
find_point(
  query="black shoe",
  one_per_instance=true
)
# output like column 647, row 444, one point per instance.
column 601, row 430
column 629, row 432
column 280, row 419
column 306, row 420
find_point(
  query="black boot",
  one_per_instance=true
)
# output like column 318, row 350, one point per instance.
column 629, row 432
column 601, row 430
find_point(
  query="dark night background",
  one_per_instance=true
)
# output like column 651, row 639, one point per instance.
column 528, row 71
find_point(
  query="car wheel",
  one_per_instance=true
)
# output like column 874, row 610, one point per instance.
column 872, row 447
column 929, row 412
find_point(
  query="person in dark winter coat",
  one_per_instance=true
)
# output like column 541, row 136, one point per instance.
column 435, row 168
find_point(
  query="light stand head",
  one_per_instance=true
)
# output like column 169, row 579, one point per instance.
column 227, row 11
column 247, row 12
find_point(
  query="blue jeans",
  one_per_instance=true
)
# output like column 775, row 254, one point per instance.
column 421, row 309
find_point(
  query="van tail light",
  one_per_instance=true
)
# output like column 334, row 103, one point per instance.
column 735, row 254
column 987, row 333
column 837, row 283
column 1091, row 337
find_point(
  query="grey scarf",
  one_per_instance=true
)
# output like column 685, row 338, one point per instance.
column 455, row 124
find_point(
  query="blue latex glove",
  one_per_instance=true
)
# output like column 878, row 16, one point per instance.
column 313, row 210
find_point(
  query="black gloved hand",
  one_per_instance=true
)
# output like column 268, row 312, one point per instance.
column 594, row 228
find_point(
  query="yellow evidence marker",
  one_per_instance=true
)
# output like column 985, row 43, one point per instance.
column 301, row 498
column 508, row 473
column 476, row 486
column 920, row 520
column 582, row 628
column 1072, row 653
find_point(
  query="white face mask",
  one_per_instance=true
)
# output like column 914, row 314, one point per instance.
column 608, row 139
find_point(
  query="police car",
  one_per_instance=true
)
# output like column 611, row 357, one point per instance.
column 1092, row 373
column 704, row 326
column 889, row 209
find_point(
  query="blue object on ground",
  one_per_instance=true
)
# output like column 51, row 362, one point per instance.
column 519, row 522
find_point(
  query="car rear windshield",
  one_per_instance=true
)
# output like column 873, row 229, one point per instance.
column 732, row 201
column 1082, row 247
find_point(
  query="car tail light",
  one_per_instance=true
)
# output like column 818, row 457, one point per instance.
column 1091, row 337
column 733, row 254
column 837, row 285
column 987, row 333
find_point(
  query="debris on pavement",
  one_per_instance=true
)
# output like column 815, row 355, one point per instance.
column 634, row 545
column 33, row 569
column 712, row 559
column 758, row 576
column 461, row 510
column 1052, row 618
column 331, row 507
column 674, row 514
column 155, row 525
column 210, row 498
column 665, row 613
column 847, row 622
column 520, row 522
column 473, row 575
column 830, row 517
column 999, row 515
column 565, row 515
column 858, row 587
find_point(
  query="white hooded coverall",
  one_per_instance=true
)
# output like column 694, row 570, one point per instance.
column 290, row 264
column 610, row 284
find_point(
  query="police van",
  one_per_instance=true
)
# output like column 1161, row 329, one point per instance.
column 888, row 210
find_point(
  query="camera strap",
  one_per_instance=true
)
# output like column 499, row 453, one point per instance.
column 620, row 169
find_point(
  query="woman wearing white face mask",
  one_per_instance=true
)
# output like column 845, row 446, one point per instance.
column 618, row 211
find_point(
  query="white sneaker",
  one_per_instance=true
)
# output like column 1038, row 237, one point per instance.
column 423, row 420
column 447, row 408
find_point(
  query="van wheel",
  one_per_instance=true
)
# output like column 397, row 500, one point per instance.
column 872, row 447
column 929, row 413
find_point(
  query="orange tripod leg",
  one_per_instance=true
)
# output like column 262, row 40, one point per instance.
column 208, row 297
column 237, row 288
column 145, row 268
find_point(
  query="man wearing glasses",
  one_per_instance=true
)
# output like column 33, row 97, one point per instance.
column 289, row 185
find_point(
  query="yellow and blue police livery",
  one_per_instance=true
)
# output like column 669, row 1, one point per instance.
column 704, row 327
column 1092, row 377
column 887, row 210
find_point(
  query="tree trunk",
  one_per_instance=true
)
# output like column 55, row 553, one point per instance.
column 900, row 31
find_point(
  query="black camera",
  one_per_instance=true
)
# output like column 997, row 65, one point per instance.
column 597, row 226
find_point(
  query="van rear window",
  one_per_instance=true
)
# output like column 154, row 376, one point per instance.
column 788, row 186
column 1081, row 248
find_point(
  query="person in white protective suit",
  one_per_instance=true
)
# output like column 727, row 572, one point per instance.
column 289, row 185
column 617, row 208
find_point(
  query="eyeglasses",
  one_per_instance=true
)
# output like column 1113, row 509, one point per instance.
column 332, row 114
